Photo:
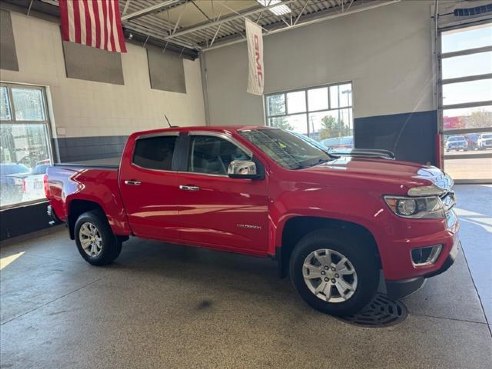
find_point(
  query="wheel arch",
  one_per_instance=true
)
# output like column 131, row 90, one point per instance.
column 76, row 208
column 297, row 227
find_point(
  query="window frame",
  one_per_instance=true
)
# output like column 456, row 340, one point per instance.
column 46, row 124
column 307, row 112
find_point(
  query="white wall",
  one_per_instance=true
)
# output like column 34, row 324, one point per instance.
column 87, row 108
column 386, row 52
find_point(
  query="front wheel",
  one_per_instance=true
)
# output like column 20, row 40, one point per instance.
column 95, row 240
column 335, row 274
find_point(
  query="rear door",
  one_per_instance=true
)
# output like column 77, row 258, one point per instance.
column 149, row 187
column 216, row 210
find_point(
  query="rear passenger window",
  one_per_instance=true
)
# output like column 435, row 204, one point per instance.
column 155, row 152
column 212, row 155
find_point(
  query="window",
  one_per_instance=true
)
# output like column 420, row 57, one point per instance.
column 155, row 152
column 322, row 113
column 287, row 149
column 25, row 150
column 466, row 101
column 212, row 155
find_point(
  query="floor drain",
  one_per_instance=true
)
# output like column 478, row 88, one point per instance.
column 380, row 312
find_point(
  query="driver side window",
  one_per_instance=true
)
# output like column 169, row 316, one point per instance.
column 212, row 155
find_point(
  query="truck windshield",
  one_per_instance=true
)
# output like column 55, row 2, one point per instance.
column 286, row 149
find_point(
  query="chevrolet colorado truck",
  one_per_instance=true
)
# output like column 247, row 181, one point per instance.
column 336, row 224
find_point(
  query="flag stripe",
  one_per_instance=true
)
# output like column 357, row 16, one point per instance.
column 102, row 18
column 90, row 9
column 108, row 23
column 114, row 30
column 76, row 20
column 71, row 23
column 83, row 29
column 97, row 23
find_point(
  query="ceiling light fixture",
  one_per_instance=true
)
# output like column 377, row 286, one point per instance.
column 281, row 9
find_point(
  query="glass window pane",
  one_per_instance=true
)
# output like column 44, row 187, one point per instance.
column 333, row 128
column 296, row 102
column 155, row 152
column 334, row 97
column 212, row 155
column 477, row 117
column 28, row 104
column 465, row 92
column 467, row 38
column 4, row 104
column 467, row 65
column 24, row 157
column 318, row 98
column 276, row 104
column 296, row 123
column 345, row 97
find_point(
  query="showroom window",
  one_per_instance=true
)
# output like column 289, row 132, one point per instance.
column 25, row 150
column 466, row 101
column 323, row 113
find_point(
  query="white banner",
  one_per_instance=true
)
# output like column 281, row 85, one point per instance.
column 256, row 75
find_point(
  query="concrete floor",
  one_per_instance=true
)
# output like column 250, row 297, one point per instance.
column 162, row 306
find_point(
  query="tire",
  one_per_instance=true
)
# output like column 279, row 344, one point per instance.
column 93, row 233
column 361, row 261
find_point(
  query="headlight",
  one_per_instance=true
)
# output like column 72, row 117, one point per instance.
column 416, row 207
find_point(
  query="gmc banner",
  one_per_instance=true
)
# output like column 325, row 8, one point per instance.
column 255, row 54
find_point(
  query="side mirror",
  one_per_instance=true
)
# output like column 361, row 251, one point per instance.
column 242, row 169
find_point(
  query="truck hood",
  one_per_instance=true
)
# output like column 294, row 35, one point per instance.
column 398, row 172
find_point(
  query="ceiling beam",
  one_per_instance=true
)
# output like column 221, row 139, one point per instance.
column 150, row 9
column 225, row 20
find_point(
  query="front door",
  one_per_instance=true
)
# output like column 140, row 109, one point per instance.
column 216, row 210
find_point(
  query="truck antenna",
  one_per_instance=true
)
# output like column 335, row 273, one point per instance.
column 169, row 124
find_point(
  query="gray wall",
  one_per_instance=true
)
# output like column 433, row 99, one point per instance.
column 386, row 52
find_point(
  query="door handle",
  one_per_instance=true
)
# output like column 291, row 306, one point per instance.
column 132, row 182
column 189, row 188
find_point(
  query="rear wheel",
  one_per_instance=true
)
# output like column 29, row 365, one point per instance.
column 95, row 240
column 335, row 274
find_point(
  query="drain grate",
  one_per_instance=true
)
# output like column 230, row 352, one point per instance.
column 380, row 312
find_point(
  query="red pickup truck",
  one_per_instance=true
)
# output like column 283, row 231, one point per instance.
column 336, row 224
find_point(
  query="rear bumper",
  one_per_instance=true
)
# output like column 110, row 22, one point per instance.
column 399, row 289
column 51, row 213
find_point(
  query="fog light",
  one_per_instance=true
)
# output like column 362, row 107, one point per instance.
column 425, row 255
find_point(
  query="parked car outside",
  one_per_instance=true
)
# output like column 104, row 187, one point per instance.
column 472, row 140
column 33, row 183
column 339, row 144
column 12, row 184
column 484, row 141
column 457, row 143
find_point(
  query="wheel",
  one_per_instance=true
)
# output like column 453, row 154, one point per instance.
column 95, row 240
column 334, row 273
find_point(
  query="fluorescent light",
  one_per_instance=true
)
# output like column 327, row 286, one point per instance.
column 277, row 10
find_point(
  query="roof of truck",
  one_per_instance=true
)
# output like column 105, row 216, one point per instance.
column 229, row 128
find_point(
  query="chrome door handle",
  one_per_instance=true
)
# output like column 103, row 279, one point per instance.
column 132, row 182
column 189, row 188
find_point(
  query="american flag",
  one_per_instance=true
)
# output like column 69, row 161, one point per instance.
column 95, row 23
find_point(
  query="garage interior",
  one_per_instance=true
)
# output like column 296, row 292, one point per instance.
column 413, row 77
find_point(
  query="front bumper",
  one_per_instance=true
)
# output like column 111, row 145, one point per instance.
column 399, row 289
